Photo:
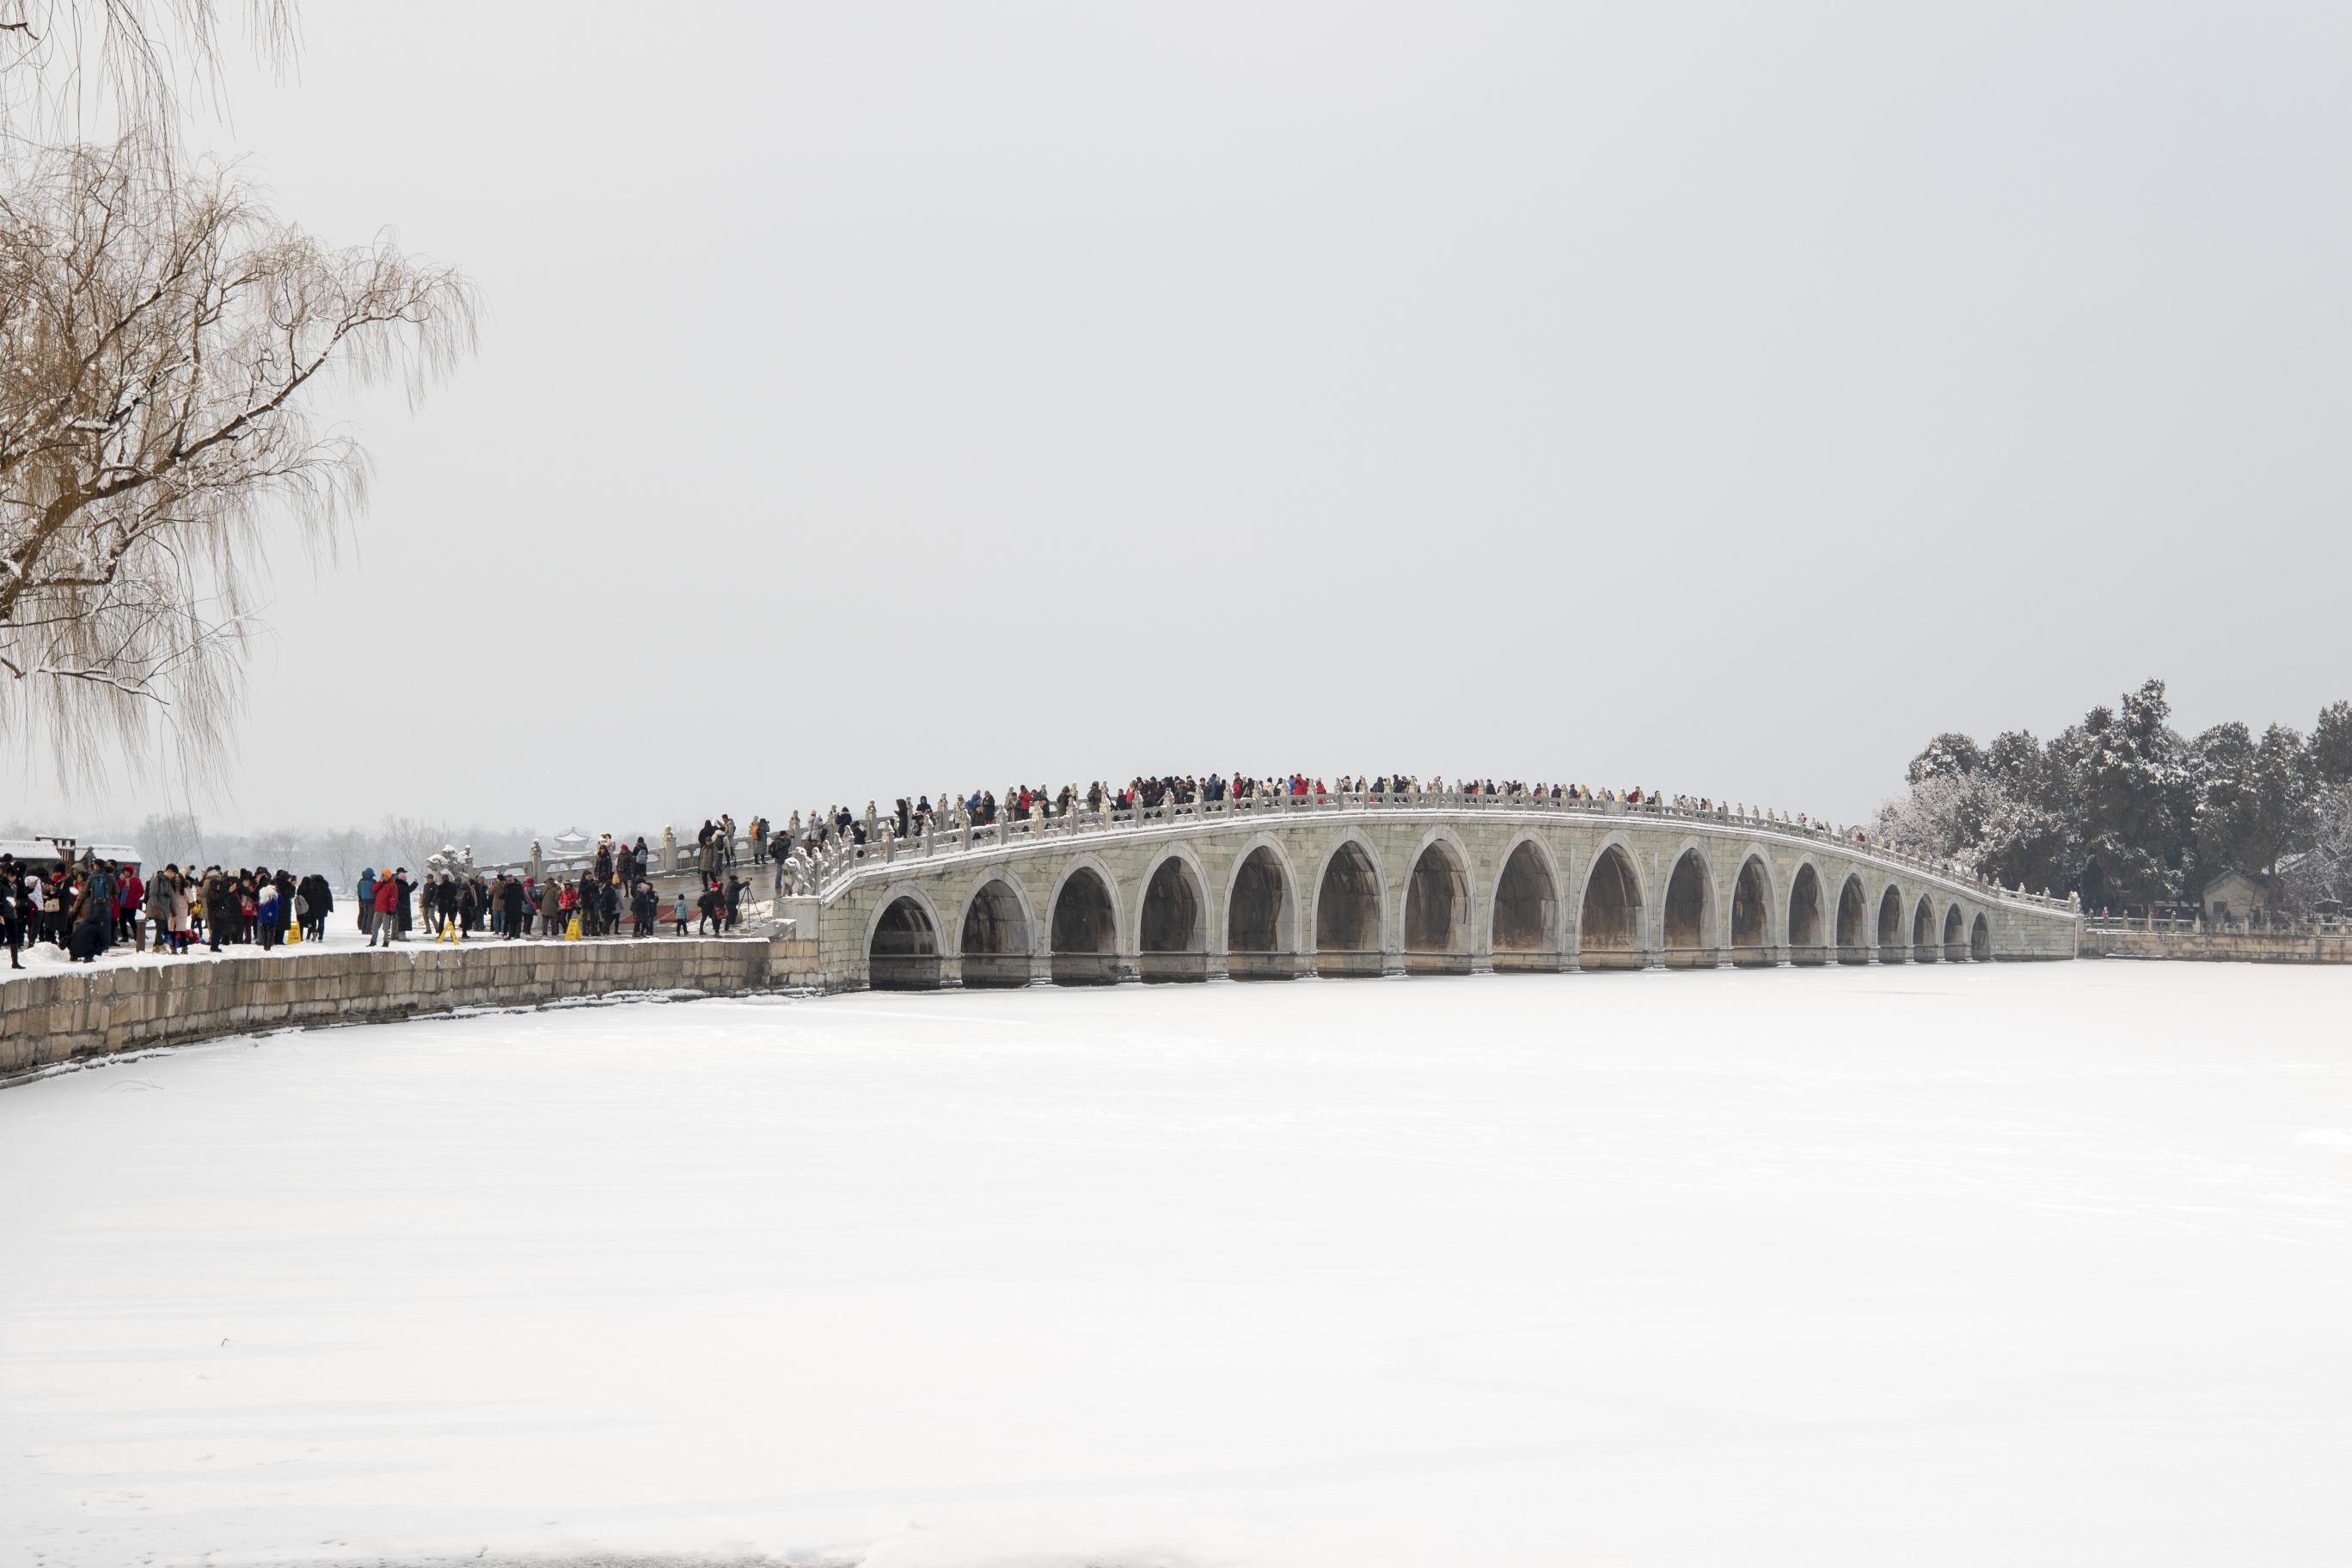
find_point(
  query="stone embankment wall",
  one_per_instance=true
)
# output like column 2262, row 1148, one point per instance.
column 2231, row 947
column 52, row 1018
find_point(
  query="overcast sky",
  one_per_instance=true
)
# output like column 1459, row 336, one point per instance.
column 1722, row 399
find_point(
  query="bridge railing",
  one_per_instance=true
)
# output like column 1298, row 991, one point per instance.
column 574, row 865
column 838, row 862
column 2255, row 924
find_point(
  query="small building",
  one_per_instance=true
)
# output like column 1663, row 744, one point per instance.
column 46, row 853
column 2234, row 895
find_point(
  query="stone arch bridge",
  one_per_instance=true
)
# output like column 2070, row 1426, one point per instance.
column 1355, row 884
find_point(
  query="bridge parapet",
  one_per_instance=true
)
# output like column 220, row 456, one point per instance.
column 1360, row 883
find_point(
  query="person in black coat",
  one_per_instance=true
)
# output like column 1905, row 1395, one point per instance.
column 221, row 911
column 12, row 910
column 92, row 920
column 320, row 897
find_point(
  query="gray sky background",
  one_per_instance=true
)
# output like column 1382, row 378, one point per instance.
column 1717, row 398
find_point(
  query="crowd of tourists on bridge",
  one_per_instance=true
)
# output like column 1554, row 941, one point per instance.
column 1023, row 802
column 841, row 830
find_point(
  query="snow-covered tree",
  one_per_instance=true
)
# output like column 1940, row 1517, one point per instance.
column 1948, row 755
column 2001, row 809
column 1940, row 817
column 2323, row 869
column 2331, row 746
column 2133, row 797
column 2253, row 799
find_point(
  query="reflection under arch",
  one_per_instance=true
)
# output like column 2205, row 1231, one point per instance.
column 1609, row 927
column 1890, row 924
column 903, row 954
column 1687, row 914
column 1437, row 912
column 1751, row 915
column 995, row 938
column 1853, row 917
column 1348, row 913
column 1259, row 918
column 1085, row 931
column 1525, row 916
column 1173, row 941
column 1807, row 942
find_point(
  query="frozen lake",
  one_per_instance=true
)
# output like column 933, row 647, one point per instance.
column 1940, row 1266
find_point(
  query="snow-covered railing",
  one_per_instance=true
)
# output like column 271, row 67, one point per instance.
column 2219, row 925
column 835, row 863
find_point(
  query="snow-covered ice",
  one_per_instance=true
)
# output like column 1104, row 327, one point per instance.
column 1933, row 1265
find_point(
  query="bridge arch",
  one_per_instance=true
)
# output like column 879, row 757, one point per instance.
column 1955, row 936
column 1086, row 927
column 1981, row 941
column 1925, row 948
column 1608, row 921
column 1686, row 915
column 1351, row 903
column 1440, row 911
column 903, row 941
column 1262, row 911
column 1752, row 903
column 1523, row 909
column 1852, row 921
column 1807, row 926
column 1173, row 920
column 1890, row 924
column 998, row 933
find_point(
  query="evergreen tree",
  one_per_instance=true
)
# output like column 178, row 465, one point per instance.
column 2123, row 810
column 1949, row 756
column 2331, row 745
column 2136, row 796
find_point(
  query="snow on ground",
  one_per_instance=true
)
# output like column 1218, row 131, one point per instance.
column 1938, row 1265
column 343, row 934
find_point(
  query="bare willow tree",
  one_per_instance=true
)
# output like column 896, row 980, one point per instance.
column 163, row 342
column 79, row 70
column 166, row 344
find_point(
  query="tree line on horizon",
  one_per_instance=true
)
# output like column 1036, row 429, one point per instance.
column 2123, row 809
